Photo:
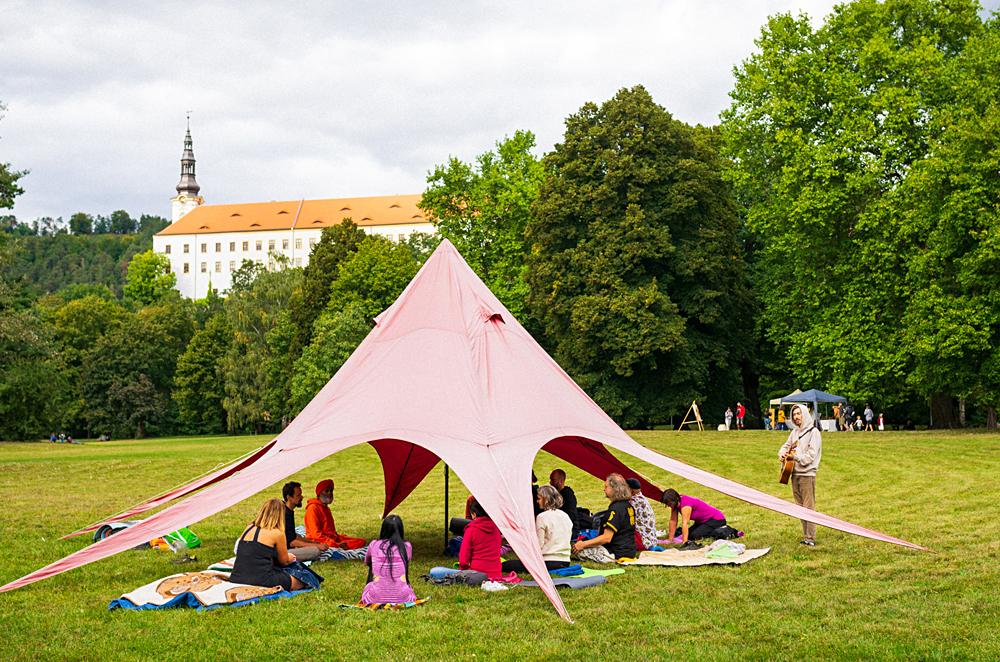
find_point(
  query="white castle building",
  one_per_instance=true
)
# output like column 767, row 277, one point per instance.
column 205, row 244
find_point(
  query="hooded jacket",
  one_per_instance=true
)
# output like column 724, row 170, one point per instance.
column 809, row 448
column 480, row 549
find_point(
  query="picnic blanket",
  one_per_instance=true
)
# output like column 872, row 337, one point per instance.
column 202, row 590
column 391, row 606
column 694, row 557
column 335, row 553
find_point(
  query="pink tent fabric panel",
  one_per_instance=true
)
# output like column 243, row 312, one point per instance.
column 404, row 466
column 178, row 492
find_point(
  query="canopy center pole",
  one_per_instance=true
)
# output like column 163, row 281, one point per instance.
column 446, row 507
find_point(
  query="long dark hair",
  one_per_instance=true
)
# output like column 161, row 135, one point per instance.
column 671, row 499
column 392, row 537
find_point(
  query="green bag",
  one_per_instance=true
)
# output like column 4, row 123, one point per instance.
column 183, row 538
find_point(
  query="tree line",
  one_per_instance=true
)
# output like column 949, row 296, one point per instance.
column 838, row 229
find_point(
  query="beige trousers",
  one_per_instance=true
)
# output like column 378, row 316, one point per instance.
column 804, row 491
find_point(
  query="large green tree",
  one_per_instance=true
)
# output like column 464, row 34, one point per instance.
column 635, row 270
column 149, row 278
column 826, row 126
column 952, row 229
column 484, row 207
column 32, row 383
column 366, row 284
column 336, row 244
column 199, row 382
column 248, row 367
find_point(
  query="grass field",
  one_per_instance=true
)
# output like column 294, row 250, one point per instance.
column 847, row 598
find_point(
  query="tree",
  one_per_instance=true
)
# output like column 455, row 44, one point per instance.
column 198, row 381
column 483, row 209
column 81, row 223
column 335, row 337
column 31, row 381
column 635, row 272
column 126, row 378
column 952, row 223
column 121, row 223
column 9, row 177
column 373, row 277
column 336, row 244
column 149, row 278
column 825, row 128
column 253, row 314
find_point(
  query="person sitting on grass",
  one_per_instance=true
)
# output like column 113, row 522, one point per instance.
column 697, row 519
column 553, row 528
column 388, row 560
column 262, row 550
column 320, row 526
column 645, row 518
column 617, row 538
column 480, row 551
column 305, row 549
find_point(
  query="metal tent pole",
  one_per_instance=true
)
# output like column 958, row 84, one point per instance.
column 445, row 507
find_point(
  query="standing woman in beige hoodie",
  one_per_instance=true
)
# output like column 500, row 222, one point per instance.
column 805, row 444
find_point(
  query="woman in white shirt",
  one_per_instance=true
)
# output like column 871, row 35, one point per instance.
column 554, row 530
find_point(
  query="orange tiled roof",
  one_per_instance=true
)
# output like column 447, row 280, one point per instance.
column 255, row 216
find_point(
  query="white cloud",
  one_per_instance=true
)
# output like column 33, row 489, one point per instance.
column 320, row 100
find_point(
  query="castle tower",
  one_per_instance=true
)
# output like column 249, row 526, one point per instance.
column 187, row 197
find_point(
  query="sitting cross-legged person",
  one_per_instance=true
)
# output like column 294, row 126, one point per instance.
column 262, row 550
column 617, row 531
column 479, row 556
column 319, row 520
column 388, row 561
column 553, row 528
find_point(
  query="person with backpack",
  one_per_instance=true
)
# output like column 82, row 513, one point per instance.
column 805, row 445
column 388, row 561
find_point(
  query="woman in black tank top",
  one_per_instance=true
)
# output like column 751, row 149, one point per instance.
column 259, row 559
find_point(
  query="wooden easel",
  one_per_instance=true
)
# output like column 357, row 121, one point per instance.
column 693, row 409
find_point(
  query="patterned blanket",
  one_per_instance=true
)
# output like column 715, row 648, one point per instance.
column 201, row 590
column 694, row 557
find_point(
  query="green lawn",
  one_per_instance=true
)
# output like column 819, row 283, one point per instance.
column 848, row 598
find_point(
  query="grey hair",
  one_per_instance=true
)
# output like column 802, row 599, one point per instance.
column 551, row 499
column 620, row 491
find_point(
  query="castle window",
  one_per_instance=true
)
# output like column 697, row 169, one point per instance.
column 232, row 246
column 312, row 243
column 204, row 248
column 298, row 261
column 284, row 244
column 166, row 249
column 186, row 267
column 204, row 267
column 270, row 244
column 232, row 265
column 258, row 244
column 218, row 247
column 218, row 267
column 246, row 246
column 298, row 244
column 185, row 248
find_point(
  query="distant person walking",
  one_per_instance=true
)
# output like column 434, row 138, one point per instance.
column 781, row 419
column 741, row 413
column 881, row 422
column 869, row 418
column 805, row 445
column 729, row 418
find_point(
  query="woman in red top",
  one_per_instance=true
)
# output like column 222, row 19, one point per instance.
column 480, row 550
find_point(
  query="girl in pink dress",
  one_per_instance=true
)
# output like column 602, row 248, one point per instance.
column 388, row 560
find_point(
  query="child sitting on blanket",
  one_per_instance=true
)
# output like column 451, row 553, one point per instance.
column 388, row 560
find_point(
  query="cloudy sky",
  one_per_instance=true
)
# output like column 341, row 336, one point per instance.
column 330, row 99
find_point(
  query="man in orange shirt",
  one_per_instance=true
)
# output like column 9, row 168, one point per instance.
column 319, row 520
